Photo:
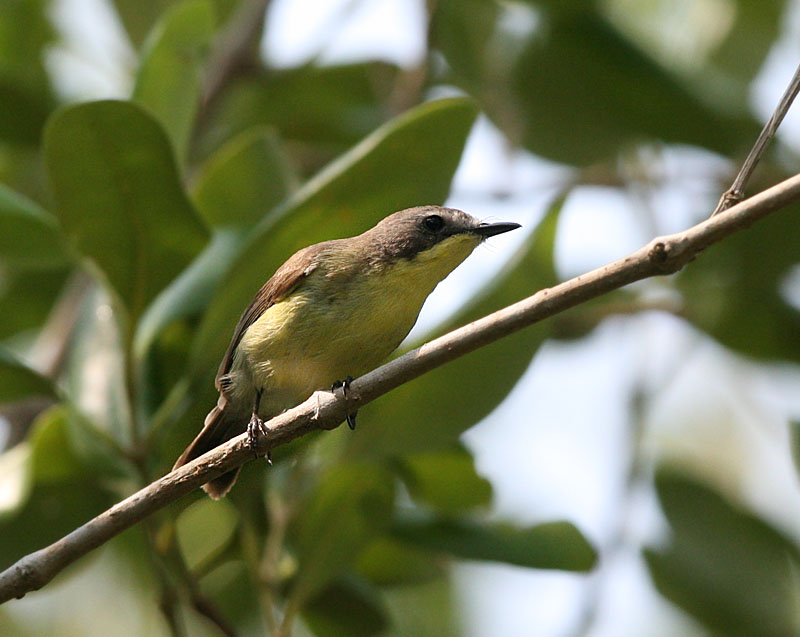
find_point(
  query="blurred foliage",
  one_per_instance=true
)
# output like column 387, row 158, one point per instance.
column 728, row 568
column 134, row 231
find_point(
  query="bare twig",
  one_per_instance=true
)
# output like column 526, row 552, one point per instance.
column 735, row 193
column 235, row 52
column 324, row 410
column 236, row 48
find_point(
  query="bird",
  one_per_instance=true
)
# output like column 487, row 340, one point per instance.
column 332, row 311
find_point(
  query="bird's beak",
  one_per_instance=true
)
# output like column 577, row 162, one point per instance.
column 490, row 229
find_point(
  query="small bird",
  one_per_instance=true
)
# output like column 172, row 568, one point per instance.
column 335, row 308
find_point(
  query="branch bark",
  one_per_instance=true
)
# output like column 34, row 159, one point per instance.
column 735, row 193
column 326, row 410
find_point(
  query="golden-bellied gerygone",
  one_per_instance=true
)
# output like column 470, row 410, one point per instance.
column 335, row 308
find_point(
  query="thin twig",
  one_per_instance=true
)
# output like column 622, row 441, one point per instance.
column 735, row 193
column 325, row 410
column 236, row 49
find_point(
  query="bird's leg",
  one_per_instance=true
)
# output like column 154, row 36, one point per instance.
column 256, row 426
column 344, row 385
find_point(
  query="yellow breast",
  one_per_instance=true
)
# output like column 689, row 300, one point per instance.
column 340, row 321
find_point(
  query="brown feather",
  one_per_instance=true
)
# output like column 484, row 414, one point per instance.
column 223, row 422
column 218, row 427
column 285, row 279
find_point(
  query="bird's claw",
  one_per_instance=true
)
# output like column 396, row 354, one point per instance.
column 344, row 385
column 255, row 428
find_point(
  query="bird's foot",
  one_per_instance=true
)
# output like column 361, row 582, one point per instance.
column 344, row 385
column 255, row 428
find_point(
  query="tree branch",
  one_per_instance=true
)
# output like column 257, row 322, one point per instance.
column 735, row 193
column 325, row 410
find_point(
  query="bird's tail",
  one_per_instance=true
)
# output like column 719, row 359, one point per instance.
column 220, row 425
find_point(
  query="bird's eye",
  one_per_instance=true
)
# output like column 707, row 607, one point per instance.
column 433, row 223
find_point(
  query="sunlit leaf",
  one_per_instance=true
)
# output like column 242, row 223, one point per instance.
column 120, row 198
column 169, row 78
column 244, row 180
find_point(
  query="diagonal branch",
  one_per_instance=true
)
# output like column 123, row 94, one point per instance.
column 325, row 410
column 735, row 193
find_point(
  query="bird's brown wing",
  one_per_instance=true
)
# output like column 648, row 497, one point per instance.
column 285, row 279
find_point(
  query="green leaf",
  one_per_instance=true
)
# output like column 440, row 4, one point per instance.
column 25, row 93
column 733, row 290
column 112, row 158
column 46, row 457
column 53, row 457
column 387, row 561
column 586, row 92
column 445, row 480
column 204, row 529
column 450, row 399
column 139, row 18
column 169, row 78
column 189, row 292
column 429, row 609
column 753, row 35
column 461, row 30
column 29, row 235
column 15, row 478
column 26, row 298
column 553, row 545
column 349, row 606
column 235, row 595
column 52, row 510
column 327, row 108
column 380, row 175
column 726, row 567
column 794, row 436
column 244, row 180
column 236, row 187
column 59, row 492
column 17, row 380
column 349, row 507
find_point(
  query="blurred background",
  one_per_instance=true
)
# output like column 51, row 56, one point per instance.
column 623, row 469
